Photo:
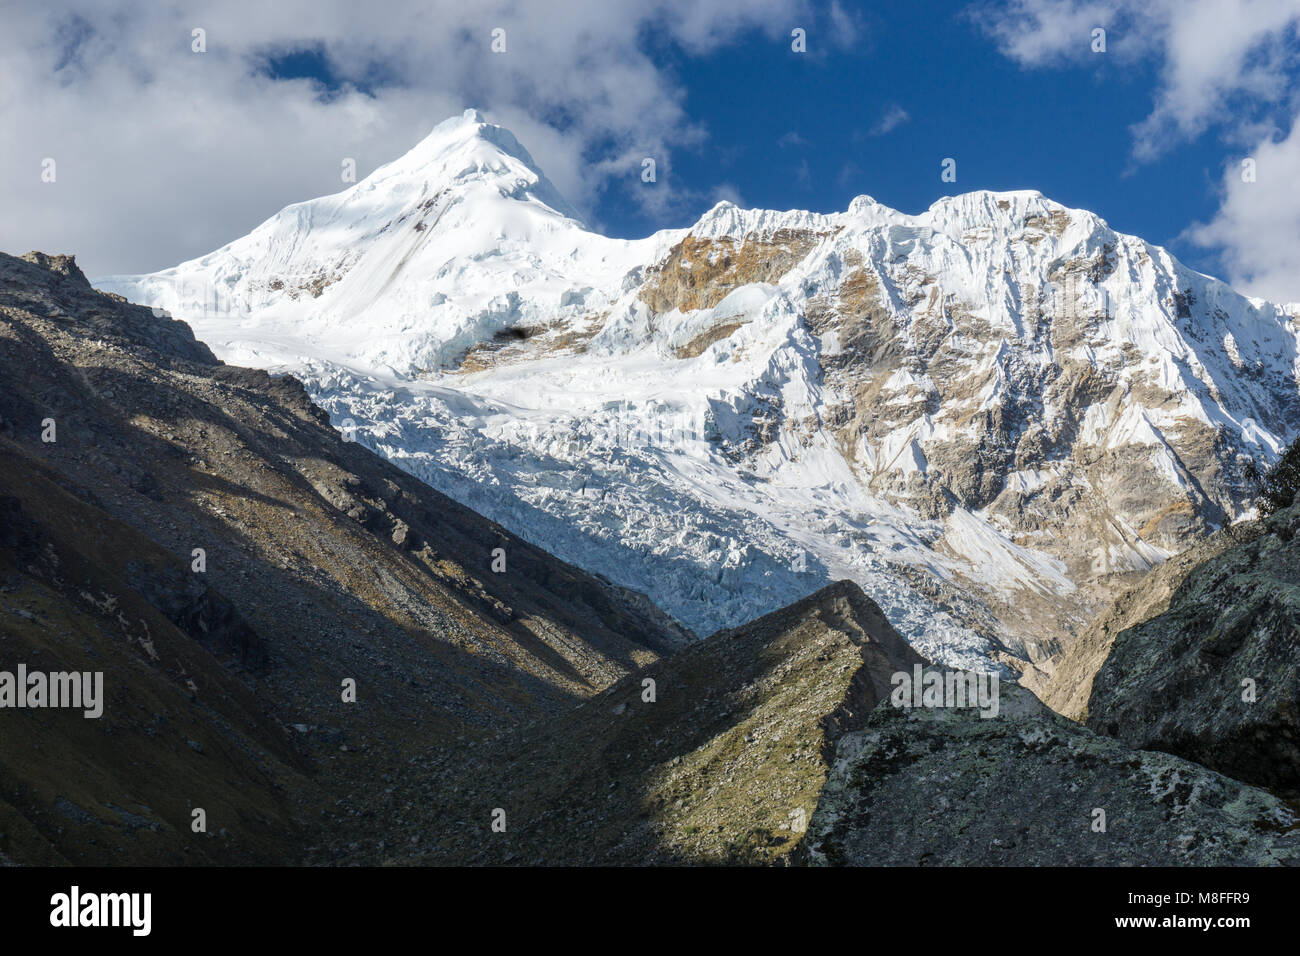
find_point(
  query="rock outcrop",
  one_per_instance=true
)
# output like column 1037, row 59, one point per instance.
column 1065, row 682
column 947, row 787
column 1216, row 677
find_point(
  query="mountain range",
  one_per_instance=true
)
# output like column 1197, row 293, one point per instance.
column 309, row 656
column 992, row 415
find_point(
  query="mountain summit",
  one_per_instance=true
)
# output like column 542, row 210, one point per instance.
column 988, row 415
column 455, row 223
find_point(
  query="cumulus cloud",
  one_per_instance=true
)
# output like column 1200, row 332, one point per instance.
column 1258, row 223
column 162, row 153
column 1231, row 67
column 1044, row 32
column 1222, row 61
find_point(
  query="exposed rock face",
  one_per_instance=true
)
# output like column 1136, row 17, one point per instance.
column 1216, row 677
column 61, row 264
column 1065, row 683
column 918, row 787
column 723, row 766
column 58, row 292
column 1056, row 420
column 129, row 455
column 698, row 273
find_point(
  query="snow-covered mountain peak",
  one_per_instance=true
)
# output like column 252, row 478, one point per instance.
column 466, row 151
column 456, row 240
column 1004, row 214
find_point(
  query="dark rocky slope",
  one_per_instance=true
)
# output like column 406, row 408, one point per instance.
column 724, row 765
column 323, row 563
column 1216, row 677
column 1200, row 662
column 1066, row 683
column 180, row 729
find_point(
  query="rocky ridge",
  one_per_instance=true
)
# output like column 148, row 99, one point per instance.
column 1215, row 678
column 715, row 755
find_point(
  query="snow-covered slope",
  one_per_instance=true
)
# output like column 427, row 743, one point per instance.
column 984, row 414
column 434, row 252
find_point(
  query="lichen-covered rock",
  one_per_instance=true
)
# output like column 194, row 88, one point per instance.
column 1216, row 677
column 934, row 787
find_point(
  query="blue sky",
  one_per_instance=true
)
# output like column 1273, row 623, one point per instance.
column 165, row 154
column 1064, row 132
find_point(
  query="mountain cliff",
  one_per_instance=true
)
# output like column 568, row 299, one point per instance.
column 1215, row 677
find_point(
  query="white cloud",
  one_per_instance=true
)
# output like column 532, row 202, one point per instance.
column 1221, row 57
column 1220, row 60
column 727, row 192
column 1227, row 66
column 1042, row 32
column 894, row 117
column 845, row 28
column 1258, row 223
column 163, row 154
